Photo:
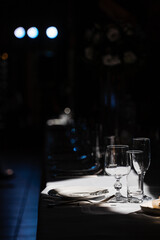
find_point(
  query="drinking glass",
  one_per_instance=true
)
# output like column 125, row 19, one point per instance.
column 107, row 140
column 118, row 165
column 141, row 165
column 134, row 189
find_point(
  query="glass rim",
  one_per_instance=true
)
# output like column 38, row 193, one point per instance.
column 134, row 151
column 141, row 138
column 117, row 146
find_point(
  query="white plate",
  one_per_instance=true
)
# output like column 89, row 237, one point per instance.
column 81, row 191
column 148, row 208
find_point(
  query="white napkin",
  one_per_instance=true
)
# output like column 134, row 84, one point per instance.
column 87, row 183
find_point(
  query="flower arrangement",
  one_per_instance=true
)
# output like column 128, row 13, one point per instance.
column 114, row 44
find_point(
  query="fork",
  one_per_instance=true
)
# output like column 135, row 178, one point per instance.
column 95, row 200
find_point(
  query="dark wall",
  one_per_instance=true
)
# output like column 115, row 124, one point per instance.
column 43, row 76
column 36, row 72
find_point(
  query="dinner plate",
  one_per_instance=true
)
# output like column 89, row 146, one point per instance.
column 148, row 208
column 82, row 192
column 76, row 172
column 73, row 165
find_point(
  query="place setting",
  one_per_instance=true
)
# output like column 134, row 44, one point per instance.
column 73, row 196
column 121, row 189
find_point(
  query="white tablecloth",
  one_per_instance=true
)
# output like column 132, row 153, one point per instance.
column 94, row 181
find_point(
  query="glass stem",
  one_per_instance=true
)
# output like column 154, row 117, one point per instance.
column 118, row 186
column 141, row 182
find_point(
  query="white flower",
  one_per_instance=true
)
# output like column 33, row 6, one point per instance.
column 129, row 57
column 110, row 60
column 113, row 34
column 88, row 53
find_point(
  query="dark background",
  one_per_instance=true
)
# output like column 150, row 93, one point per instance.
column 40, row 77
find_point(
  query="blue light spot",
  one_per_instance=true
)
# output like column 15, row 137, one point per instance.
column 83, row 157
column 93, row 167
column 75, row 149
column 32, row 32
column 52, row 32
column 19, row 32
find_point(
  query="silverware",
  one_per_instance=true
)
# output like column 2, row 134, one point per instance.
column 99, row 192
column 95, row 200
column 55, row 193
column 67, row 202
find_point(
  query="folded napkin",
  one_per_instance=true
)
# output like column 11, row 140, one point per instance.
column 77, row 190
column 83, row 184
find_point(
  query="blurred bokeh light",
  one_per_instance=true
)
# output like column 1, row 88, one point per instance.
column 32, row 32
column 19, row 32
column 52, row 32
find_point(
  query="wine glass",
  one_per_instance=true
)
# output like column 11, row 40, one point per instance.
column 141, row 165
column 118, row 165
column 134, row 188
column 107, row 140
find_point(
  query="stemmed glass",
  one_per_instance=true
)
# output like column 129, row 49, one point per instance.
column 142, row 164
column 118, row 165
column 134, row 188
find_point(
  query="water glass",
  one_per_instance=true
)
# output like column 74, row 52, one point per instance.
column 134, row 188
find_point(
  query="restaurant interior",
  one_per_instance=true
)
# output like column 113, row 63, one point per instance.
column 92, row 64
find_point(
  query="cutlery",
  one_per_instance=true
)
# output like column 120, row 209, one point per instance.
column 55, row 193
column 95, row 200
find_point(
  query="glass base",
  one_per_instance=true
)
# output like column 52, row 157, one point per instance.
column 118, row 199
column 135, row 200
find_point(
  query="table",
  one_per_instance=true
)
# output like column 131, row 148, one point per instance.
column 91, row 221
column 76, row 223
